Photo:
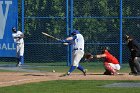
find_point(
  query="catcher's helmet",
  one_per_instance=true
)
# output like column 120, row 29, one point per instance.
column 105, row 48
column 13, row 29
column 75, row 32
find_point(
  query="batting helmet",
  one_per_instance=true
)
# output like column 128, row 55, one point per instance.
column 75, row 32
column 13, row 29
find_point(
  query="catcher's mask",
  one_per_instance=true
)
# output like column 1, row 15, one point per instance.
column 75, row 32
column 13, row 29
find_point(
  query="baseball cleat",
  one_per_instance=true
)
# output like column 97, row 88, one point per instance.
column 85, row 71
column 132, row 73
column 19, row 64
column 63, row 75
column 137, row 74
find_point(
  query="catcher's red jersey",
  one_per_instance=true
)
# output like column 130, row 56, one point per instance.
column 110, row 58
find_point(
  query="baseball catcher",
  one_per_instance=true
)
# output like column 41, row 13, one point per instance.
column 111, row 64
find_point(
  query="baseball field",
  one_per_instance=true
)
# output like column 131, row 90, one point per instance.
column 45, row 79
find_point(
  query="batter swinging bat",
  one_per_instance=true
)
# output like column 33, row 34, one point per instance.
column 50, row 36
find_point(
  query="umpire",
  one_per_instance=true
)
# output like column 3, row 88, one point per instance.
column 134, row 61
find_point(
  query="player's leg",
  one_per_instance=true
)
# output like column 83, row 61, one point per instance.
column 137, row 65
column 18, row 54
column 110, row 67
column 72, row 68
column 77, row 61
column 82, row 69
column 81, row 54
column 117, row 67
column 77, row 55
column 132, row 67
column 21, row 58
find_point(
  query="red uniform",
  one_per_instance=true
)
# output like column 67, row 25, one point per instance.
column 110, row 58
column 111, row 64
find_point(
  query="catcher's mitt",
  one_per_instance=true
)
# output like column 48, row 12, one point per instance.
column 88, row 56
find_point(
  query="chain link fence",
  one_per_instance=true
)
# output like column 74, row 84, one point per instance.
column 97, row 20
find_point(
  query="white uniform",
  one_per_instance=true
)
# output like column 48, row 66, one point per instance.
column 77, row 40
column 19, row 42
column 78, row 49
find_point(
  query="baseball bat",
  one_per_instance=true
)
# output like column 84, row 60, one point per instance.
column 51, row 36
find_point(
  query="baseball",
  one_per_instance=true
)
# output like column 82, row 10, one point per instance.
column 53, row 70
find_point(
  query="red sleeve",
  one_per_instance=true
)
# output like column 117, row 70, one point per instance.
column 110, row 58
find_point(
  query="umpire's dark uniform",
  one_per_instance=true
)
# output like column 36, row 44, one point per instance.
column 134, row 61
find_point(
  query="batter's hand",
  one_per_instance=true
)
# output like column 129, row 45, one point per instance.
column 66, row 44
column 62, row 41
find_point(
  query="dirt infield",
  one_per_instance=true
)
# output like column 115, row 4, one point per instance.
column 16, row 78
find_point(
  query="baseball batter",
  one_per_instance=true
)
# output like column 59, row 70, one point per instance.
column 77, row 42
column 18, row 39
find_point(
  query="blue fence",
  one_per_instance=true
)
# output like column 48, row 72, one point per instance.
column 100, row 27
column 102, row 23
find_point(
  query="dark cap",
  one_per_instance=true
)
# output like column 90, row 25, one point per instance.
column 14, row 29
column 75, row 32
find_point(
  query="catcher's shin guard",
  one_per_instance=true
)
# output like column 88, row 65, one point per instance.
column 110, row 68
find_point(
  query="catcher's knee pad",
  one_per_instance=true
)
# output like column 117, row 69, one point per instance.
column 109, row 67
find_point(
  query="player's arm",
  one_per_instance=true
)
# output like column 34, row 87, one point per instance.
column 21, row 35
column 69, row 39
column 100, row 56
column 89, row 56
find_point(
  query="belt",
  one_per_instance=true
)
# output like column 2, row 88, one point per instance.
column 77, row 49
column 19, row 43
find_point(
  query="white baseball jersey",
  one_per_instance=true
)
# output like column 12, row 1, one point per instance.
column 79, row 42
column 16, row 39
column 19, row 42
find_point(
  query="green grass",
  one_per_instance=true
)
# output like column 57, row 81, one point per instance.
column 94, row 67
column 69, row 86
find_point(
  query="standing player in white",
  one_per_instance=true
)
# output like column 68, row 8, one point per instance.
column 18, row 39
column 77, row 41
